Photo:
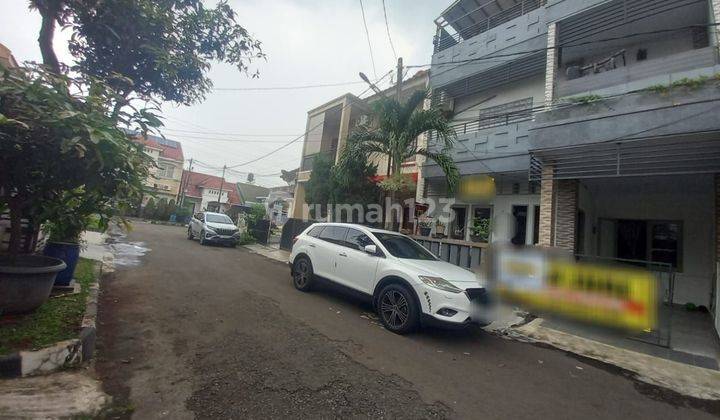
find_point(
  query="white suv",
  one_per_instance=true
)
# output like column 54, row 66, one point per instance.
column 213, row 228
column 408, row 285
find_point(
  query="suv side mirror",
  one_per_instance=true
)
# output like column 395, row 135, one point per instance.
column 371, row 249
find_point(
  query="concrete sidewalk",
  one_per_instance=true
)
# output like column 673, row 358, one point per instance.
column 512, row 323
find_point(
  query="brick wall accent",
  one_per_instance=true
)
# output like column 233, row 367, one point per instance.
column 545, row 229
column 566, row 207
column 551, row 65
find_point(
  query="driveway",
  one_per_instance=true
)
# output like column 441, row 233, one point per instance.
column 209, row 332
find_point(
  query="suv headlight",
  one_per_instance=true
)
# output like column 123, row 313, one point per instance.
column 440, row 283
column 210, row 231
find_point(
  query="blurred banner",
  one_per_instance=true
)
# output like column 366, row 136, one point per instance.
column 607, row 295
column 476, row 189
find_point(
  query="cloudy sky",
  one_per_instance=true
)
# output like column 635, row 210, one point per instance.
column 307, row 42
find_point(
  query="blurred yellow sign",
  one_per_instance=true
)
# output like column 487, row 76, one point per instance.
column 476, row 188
column 620, row 297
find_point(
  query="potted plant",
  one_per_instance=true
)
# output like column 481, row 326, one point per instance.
column 439, row 229
column 58, row 143
column 425, row 227
column 480, row 229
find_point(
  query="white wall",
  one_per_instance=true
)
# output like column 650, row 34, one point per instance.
column 689, row 199
column 211, row 195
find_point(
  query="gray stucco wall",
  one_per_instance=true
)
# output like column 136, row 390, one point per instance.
column 639, row 115
column 527, row 32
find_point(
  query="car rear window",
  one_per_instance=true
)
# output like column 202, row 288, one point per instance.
column 334, row 234
column 315, row 232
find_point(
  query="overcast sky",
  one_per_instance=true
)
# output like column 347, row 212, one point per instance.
column 306, row 42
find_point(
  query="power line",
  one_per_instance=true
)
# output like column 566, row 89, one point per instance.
column 270, row 88
column 302, row 135
column 387, row 27
column 220, row 133
column 367, row 33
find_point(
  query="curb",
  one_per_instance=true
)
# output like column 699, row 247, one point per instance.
column 63, row 354
column 689, row 380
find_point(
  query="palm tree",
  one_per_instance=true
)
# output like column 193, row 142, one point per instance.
column 392, row 131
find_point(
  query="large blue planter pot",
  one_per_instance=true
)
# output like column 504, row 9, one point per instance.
column 68, row 252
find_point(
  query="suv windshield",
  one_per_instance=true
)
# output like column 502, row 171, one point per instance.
column 218, row 218
column 402, row 247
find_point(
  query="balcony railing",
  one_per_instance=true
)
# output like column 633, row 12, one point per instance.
column 496, row 116
column 445, row 40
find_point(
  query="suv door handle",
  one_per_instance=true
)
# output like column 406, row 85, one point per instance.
column 311, row 245
column 342, row 254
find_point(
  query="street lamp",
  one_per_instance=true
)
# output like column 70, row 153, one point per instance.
column 372, row 85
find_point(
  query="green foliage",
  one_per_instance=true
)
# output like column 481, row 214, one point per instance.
column 393, row 131
column 397, row 182
column 319, row 188
column 481, row 228
column 150, row 209
column 686, row 82
column 61, row 155
column 57, row 319
column 160, row 49
column 348, row 182
column 246, row 239
column 257, row 213
column 585, row 99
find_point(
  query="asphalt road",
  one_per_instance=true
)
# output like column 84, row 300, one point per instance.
column 209, row 332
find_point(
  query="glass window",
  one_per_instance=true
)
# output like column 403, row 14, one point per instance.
column 665, row 238
column 165, row 171
column 334, row 234
column 218, row 218
column 357, row 239
column 403, row 247
column 315, row 232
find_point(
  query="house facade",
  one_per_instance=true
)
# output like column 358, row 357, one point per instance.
column 488, row 74
column 627, row 150
column 166, row 173
column 597, row 122
column 327, row 130
column 203, row 192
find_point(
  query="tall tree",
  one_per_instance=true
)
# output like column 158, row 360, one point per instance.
column 392, row 132
column 148, row 49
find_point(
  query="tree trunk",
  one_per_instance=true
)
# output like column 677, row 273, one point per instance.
column 49, row 14
column 15, row 226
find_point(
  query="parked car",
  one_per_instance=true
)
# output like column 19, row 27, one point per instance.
column 408, row 285
column 213, row 228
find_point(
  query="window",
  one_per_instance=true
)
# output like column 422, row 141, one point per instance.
column 315, row 232
column 334, row 234
column 665, row 243
column 218, row 218
column 165, row 170
column 403, row 247
column 357, row 239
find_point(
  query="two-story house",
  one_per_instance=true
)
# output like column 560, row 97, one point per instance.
column 166, row 173
column 203, row 192
column 488, row 74
column 627, row 150
column 328, row 127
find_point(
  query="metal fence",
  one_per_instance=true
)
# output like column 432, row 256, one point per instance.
column 446, row 40
column 664, row 273
column 461, row 253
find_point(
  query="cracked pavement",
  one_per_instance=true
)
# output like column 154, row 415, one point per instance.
column 209, row 332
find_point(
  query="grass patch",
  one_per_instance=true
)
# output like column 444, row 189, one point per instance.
column 585, row 99
column 56, row 320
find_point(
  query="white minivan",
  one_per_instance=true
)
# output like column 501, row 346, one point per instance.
column 409, row 286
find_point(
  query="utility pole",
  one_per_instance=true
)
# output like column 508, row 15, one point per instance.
column 184, row 185
column 389, row 219
column 222, row 183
